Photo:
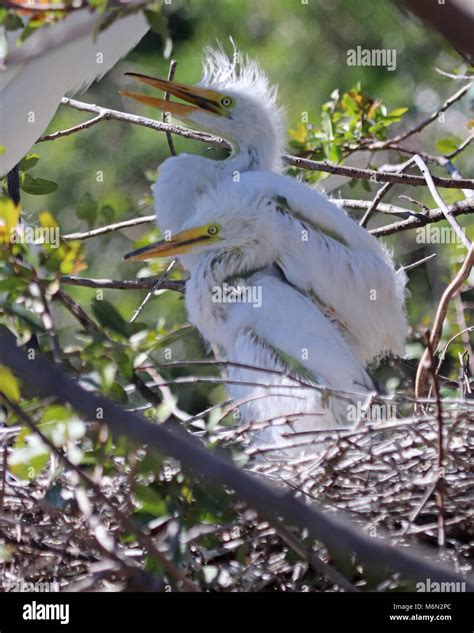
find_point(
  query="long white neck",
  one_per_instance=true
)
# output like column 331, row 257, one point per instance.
column 182, row 179
column 253, row 158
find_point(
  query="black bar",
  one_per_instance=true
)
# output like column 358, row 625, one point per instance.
column 238, row 612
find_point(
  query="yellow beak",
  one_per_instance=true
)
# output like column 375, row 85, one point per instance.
column 201, row 99
column 181, row 243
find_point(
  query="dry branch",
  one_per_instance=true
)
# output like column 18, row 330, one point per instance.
column 454, row 286
column 294, row 161
column 270, row 502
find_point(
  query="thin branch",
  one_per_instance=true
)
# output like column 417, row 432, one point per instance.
column 418, row 219
column 117, row 115
column 424, row 123
column 453, row 76
column 146, row 219
column 294, row 161
column 75, row 309
column 375, row 176
column 418, row 263
column 440, row 202
column 440, row 480
column 158, row 285
column 166, row 115
column 454, row 286
column 146, row 283
column 272, row 503
column 71, row 130
column 381, row 193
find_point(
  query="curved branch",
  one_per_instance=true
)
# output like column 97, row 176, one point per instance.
column 425, row 364
column 270, row 502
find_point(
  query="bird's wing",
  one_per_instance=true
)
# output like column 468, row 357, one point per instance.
column 71, row 58
column 284, row 330
column 339, row 264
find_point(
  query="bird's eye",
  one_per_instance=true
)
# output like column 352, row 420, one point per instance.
column 226, row 102
column 213, row 230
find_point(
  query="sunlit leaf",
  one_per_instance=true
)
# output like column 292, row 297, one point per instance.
column 9, row 384
column 37, row 186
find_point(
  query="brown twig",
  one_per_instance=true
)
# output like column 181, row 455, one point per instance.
column 146, row 283
column 126, row 522
column 381, row 193
column 117, row 226
column 440, row 480
column 424, row 123
column 294, row 161
column 166, row 115
column 271, row 503
column 454, row 286
column 464, row 207
column 75, row 309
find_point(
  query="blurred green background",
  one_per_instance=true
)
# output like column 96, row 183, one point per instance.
column 303, row 47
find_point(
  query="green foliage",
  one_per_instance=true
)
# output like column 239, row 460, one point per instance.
column 346, row 122
column 113, row 357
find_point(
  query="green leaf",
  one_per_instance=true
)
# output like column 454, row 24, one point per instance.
column 398, row 112
column 149, row 500
column 87, row 208
column 29, row 455
column 9, row 384
column 156, row 22
column 24, row 315
column 37, row 186
column 118, row 394
column 28, row 162
column 12, row 22
column 447, row 145
column 109, row 317
column 108, row 212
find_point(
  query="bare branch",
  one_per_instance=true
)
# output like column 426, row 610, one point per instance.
column 454, row 286
column 419, row 219
column 421, row 126
column 71, row 130
column 439, row 200
column 146, row 283
column 111, row 227
column 271, row 503
column 294, row 161
column 381, row 193
column 166, row 115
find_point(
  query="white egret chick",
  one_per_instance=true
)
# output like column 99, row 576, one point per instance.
column 241, row 302
column 331, row 258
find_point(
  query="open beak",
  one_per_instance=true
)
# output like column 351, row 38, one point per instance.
column 181, row 243
column 201, row 99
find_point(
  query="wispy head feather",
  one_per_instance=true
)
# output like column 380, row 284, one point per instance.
column 244, row 76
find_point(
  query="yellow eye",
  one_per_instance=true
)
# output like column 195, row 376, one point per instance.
column 226, row 102
column 213, row 230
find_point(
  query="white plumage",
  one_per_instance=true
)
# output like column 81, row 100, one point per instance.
column 31, row 91
column 329, row 287
column 276, row 326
